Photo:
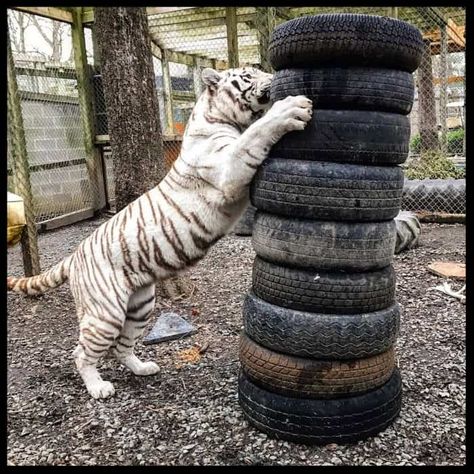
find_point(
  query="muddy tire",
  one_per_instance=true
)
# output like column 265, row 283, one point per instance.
column 310, row 378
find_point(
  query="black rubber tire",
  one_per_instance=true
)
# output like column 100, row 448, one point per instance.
column 346, row 39
column 320, row 335
column 348, row 136
column 408, row 231
column 324, row 245
column 435, row 195
column 328, row 191
column 310, row 378
column 315, row 291
column 341, row 420
column 353, row 88
column 245, row 224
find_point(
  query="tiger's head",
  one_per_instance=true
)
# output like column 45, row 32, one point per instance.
column 242, row 94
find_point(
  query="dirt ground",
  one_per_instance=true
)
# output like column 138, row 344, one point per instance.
column 189, row 413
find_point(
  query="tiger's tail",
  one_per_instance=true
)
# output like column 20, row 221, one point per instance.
column 38, row 284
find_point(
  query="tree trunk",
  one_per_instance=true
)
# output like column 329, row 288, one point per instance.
column 132, row 111
column 426, row 103
column 57, row 42
column 131, row 101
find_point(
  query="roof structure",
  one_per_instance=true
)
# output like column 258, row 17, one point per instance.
column 201, row 34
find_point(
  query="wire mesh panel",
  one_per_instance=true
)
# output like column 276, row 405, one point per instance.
column 47, row 86
column 184, row 41
column 223, row 37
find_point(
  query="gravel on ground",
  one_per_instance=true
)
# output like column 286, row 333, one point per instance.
column 189, row 413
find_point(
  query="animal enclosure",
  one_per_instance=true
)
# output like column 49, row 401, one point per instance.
column 66, row 174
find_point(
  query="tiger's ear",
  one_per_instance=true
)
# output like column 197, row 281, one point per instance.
column 210, row 77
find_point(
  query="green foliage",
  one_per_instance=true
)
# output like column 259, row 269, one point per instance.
column 434, row 165
column 415, row 144
column 454, row 141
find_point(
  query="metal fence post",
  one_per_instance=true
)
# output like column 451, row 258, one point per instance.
column 21, row 170
column 93, row 160
column 232, row 37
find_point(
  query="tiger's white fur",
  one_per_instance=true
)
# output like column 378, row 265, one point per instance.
column 112, row 273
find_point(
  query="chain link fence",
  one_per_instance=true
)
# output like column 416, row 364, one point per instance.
column 48, row 95
column 200, row 36
column 184, row 41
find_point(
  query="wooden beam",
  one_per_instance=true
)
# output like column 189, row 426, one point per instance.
column 88, row 12
column 65, row 219
column 21, row 170
column 198, row 27
column 88, row 15
column 105, row 139
column 392, row 12
column 167, row 96
column 197, row 82
column 54, row 13
column 456, row 33
column 183, row 57
column 195, row 38
column 63, row 73
column 84, row 88
column 232, row 37
column 196, row 14
column 265, row 22
column 450, row 80
column 221, row 52
column 443, row 89
column 160, row 10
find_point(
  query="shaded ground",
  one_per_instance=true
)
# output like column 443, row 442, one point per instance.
column 189, row 413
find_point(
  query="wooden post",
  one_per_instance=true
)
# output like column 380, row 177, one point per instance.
column 443, row 86
column 265, row 23
column 197, row 78
column 232, row 37
column 21, row 170
column 167, row 93
column 93, row 159
column 95, row 47
column 426, row 102
column 392, row 12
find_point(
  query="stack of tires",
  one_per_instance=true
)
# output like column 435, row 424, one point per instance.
column 321, row 320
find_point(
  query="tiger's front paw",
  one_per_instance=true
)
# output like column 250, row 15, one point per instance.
column 290, row 114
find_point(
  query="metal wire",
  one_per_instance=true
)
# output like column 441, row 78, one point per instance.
column 184, row 41
column 52, row 126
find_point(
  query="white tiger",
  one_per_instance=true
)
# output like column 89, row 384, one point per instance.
column 113, row 272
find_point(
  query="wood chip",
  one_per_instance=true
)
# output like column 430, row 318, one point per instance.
column 448, row 269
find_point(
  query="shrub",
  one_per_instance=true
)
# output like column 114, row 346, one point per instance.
column 455, row 141
column 415, row 144
column 434, row 165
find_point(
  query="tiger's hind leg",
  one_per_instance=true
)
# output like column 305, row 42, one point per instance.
column 140, row 307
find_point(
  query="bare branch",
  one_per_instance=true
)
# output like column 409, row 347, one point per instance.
column 41, row 31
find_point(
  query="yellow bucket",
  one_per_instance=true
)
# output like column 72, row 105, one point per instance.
column 15, row 218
